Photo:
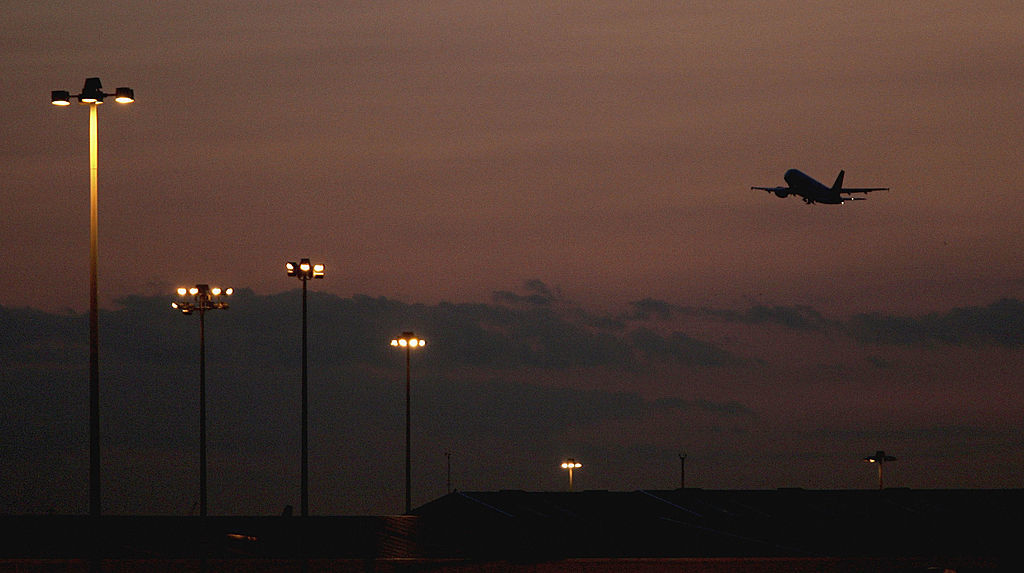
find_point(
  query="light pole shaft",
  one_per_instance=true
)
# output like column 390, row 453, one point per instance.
column 448, row 455
column 94, row 333
column 408, row 433
column 202, row 411
column 304, row 505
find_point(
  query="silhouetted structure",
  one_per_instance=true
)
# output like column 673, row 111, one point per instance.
column 408, row 341
column 199, row 299
column 695, row 523
column 879, row 458
column 645, row 530
column 92, row 95
column 304, row 271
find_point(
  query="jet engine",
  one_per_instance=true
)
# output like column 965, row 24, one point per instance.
column 781, row 194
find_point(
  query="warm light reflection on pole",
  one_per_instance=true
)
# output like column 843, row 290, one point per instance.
column 879, row 458
column 408, row 341
column 571, row 464
column 304, row 271
column 201, row 298
column 92, row 95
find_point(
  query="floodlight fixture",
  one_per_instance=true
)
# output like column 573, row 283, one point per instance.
column 304, row 270
column 124, row 95
column 879, row 458
column 60, row 97
column 203, row 298
column 571, row 464
column 92, row 94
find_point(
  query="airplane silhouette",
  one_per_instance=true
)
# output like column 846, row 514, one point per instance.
column 813, row 191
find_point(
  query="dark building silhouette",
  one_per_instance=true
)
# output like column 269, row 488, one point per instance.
column 644, row 530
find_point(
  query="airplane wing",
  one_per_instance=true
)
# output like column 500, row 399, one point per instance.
column 862, row 189
column 771, row 189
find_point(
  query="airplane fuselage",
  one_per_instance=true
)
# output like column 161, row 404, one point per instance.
column 810, row 189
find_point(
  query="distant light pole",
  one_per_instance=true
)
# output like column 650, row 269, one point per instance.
column 92, row 95
column 448, row 459
column 408, row 341
column 879, row 458
column 571, row 464
column 304, row 271
column 682, row 471
column 203, row 298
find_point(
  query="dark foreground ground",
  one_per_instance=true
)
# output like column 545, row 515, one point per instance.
column 709, row 565
column 690, row 530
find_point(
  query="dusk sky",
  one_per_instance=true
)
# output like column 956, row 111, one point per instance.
column 516, row 175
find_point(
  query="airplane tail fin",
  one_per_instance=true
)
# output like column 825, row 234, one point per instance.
column 838, row 185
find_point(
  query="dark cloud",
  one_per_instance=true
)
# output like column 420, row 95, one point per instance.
column 730, row 408
column 38, row 337
column 537, row 293
column 506, row 384
column 796, row 317
column 471, row 384
column 648, row 307
column 681, row 348
column 1000, row 323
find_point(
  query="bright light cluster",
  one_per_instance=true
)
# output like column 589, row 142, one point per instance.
column 203, row 295
column 304, row 269
column 91, row 94
column 410, row 342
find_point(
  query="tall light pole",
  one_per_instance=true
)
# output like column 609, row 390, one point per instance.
column 304, row 271
column 408, row 341
column 92, row 95
column 571, row 464
column 682, row 471
column 448, row 459
column 201, row 298
column 879, row 458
